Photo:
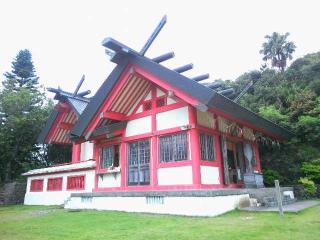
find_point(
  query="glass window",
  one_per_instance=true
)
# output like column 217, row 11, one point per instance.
column 207, row 147
column 173, row 147
column 109, row 157
column 138, row 162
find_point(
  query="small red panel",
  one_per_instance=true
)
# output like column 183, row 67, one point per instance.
column 76, row 182
column 147, row 106
column 160, row 102
column 54, row 184
column 36, row 185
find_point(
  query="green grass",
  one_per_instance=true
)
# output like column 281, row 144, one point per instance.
column 37, row 222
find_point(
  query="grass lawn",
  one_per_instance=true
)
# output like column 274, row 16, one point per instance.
column 38, row 222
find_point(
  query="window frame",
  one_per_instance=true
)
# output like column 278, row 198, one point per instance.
column 113, row 158
column 59, row 188
column 33, row 188
column 213, row 145
column 139, row 183
column 77, row 188
column 174, row 161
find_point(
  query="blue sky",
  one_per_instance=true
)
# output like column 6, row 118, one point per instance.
column 222, row 38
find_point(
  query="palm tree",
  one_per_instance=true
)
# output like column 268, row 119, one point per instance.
column 278, row 50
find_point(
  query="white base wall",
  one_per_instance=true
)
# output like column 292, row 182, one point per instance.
column 56, row 197
column 109, row 180
column 189, row 206
column 175, row 175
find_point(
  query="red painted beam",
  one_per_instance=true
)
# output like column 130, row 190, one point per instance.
column 66, row 126
column 62, row 107
column 114, row 115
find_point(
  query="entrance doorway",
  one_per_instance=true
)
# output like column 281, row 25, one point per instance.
column 233, row 161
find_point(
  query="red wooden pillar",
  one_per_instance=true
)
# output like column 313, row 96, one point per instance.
column 96, row 151
column 154, row 142
column 123, row 165
column 195, row 146
column 218, row 157
column 154, row 163
column 257, row 154
column 76, row 152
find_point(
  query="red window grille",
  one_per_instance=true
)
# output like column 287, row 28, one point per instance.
column 160, row 102
column 76, row 183
column 147, row 106
column 54, row 184
column 36, row 185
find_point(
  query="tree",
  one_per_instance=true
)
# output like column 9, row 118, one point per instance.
column 23, row 72
column 24, row 109
column 277, row 49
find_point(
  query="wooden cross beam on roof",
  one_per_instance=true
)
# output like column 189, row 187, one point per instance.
column 79, row 85
column 153, row 35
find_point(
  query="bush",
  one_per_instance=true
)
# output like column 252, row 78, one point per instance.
column 269, row 176
column 309, row 186
column 312, row 170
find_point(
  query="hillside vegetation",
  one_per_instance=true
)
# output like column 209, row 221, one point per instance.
column 290, row 98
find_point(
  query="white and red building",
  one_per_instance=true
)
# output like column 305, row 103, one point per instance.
column 151, row 140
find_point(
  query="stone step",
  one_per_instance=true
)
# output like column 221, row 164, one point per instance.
column 272, row 201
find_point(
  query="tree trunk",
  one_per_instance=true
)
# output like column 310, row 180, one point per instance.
column 8, row 171
column 7, row 176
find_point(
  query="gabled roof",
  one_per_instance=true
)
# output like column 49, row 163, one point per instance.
column 77, row 103
column 206, row 97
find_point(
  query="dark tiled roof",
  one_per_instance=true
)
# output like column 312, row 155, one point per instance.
column 46, row 129
column 206, row 96
column 77, row 103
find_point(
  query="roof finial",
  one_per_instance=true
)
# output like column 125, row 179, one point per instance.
column 154, row 35
column 79, row 85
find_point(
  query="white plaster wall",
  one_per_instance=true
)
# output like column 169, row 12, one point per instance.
column 56, row 197
column 209, row 175
column 138, row 126
column 170, row 101
column 175, row 175
column 86, row 151
column 160, row 93
column 190, row 206
column 174, row 118
column 205, row 119
column 109, row 180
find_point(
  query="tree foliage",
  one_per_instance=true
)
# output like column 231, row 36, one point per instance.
column 278, row 50
column 291, row 99
column 24, row 108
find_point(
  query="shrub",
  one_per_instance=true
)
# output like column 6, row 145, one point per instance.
column 312, row 170
column 309, row 186
column 269, row 176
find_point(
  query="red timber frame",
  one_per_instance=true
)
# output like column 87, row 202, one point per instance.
column 193, row 130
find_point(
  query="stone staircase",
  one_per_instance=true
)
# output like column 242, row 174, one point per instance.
column 272, row 201
column 267, row 197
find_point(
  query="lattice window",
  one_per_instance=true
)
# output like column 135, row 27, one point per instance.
column 76, row 183
column 138, row 162
column 147, row 106
column 160, row 102
column 54, row 184
column 109, row 157
column 36, row 185
column 173, row 147
column 207, row 147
